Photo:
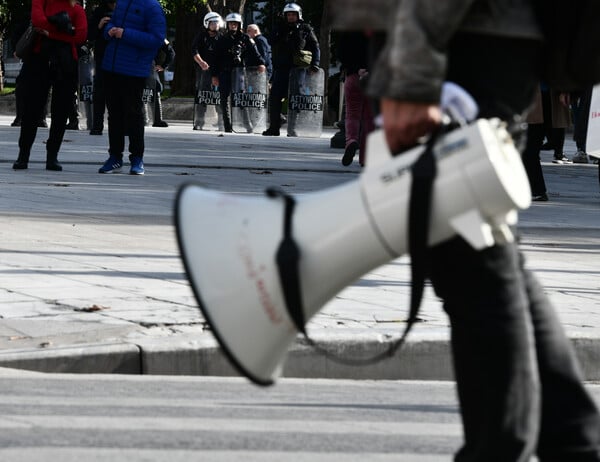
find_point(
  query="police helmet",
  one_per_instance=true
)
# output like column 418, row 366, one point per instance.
column 293, row 8
column 212, row 17
column 234, row 17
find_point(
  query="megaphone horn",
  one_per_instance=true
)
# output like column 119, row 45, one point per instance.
column 231, row 244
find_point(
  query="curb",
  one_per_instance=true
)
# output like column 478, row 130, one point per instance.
column 117, row 358
column 186, row 355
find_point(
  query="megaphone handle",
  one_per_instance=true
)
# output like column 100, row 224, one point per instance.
column 288, row 262
column 424, row 171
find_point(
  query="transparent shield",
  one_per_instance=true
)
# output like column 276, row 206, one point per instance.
column 86, row 88
column 207, row 110
column 305, row 103
column 249, row 99
column 149, row 90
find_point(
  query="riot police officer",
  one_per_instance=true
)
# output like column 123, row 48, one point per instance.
column 292, row 42
column 204, row 48
column 234, row 49
column 205, row 43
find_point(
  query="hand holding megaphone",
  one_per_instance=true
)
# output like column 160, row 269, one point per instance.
column 406, row 122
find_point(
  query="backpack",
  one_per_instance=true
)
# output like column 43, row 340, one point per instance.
column 571, row 55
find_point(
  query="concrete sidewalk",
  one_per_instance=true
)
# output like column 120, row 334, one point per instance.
column 91, row 279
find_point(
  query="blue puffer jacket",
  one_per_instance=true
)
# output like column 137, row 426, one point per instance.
column 144, row 30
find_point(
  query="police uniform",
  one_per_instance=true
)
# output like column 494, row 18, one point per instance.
column 233, row 50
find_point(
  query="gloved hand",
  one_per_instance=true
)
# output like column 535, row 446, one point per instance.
column 62, row 21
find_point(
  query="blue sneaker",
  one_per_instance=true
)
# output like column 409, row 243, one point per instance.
column 137, row 166
column 112, row 165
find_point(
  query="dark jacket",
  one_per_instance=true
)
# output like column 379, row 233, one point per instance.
column 288, row 39
column 95, row 35
column 144, row 27
column 353, row 51
column 412, row 65
column 206, row 46
column 235, row 50
column 264, row 48
column 165, row 56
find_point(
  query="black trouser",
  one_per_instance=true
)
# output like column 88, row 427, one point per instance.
column 125, row 113
column 37, row 76
column 531, row 158
column 582, row 113
column 555, row 135
column 279, row 91
column 225, row 92
column 98, row 99
column 518, row 381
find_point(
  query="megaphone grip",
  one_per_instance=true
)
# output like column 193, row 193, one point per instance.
column 288, row 261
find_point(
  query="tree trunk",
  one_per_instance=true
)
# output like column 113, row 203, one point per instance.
column 1, row 73
column 224, row 7
column 188, row 25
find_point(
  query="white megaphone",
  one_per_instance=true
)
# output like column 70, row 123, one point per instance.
column 229, row 242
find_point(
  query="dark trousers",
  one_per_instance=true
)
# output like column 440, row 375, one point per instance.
column 35, row 80
column 519, row 385
column 125, row 113
column 279, row 91
column 555, row 135
column 98, row 99
column 225, row 92
column 581, row 113
column 531, row 158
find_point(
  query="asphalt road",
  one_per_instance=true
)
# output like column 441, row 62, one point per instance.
column 112, row 418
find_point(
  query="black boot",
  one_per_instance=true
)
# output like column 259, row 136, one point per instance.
column 21, row 162
column 158, row 113
column 52, row 163
column 271, row 131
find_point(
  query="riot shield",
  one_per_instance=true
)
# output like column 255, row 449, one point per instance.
column 149, row 90
column 305, row 102
column 248, row 100
column 207, row 109
column 86, row 86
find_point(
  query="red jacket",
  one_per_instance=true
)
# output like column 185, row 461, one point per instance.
column 41, row 9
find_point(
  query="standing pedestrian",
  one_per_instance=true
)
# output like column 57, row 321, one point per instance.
column 519, row 384
column 292, row 38
column 135, row 32
column 98, row 22
column 61, row 26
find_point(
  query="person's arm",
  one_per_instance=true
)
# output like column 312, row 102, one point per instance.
column 409, row 73
column 196, row 52
column 312, row 45
column 170, row 55
column 39, row 20
column 80, row 24
column 252, row 55
column 412, row 64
